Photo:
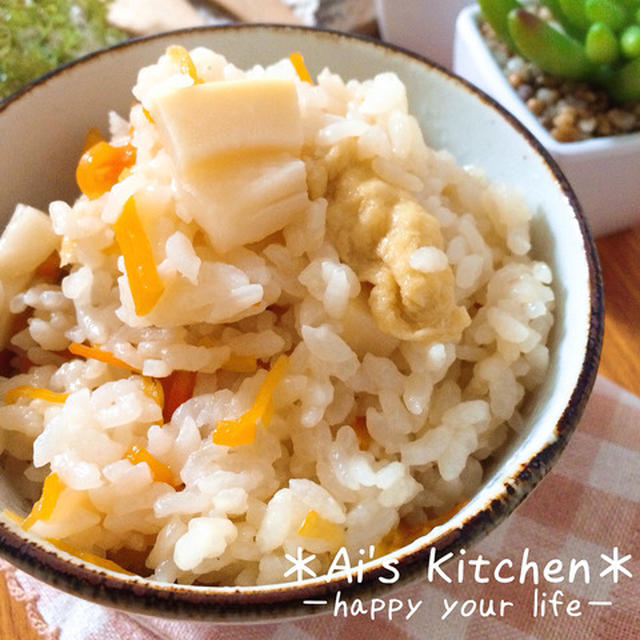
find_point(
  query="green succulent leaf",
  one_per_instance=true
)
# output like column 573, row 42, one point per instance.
column 630, row 5
column 623, row 84
column 630, row 41
column 574, row 11
column 495, row 12
column 547, row 47
column 561, row 18
column 601, row 44
column 597, row 41
column 610, row 13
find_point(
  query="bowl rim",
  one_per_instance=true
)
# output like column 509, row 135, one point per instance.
column 285, row 600
column 467, row 28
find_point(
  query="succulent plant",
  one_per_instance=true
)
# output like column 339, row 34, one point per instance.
column 597, row 41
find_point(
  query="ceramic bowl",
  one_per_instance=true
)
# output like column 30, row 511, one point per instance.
column 41, row 130
column 601, row 170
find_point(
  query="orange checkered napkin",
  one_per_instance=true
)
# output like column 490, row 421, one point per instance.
column 584, row 518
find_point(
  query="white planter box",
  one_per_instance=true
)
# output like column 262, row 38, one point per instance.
column 604, row 172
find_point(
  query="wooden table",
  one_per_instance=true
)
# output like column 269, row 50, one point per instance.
column 620, row 259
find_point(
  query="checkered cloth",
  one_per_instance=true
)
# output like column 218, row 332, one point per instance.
column 587, row 509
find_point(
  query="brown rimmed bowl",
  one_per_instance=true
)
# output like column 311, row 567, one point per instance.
column 41, row 130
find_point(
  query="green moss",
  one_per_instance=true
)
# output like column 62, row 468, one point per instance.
column 37, row 36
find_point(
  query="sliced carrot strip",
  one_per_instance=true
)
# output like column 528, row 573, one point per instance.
column 265, row 393
column 242, row 430
column 147, row 115
column 232, row 433
column 301, row 69
column 99, row 561
column 43, row 508
column 153, row 389
column 40, row 393
column 178, row 388
column 315, row 526
column 144, row 281
column 95, row 353
column 100, row 167
column 180, row 56
column 159, row 471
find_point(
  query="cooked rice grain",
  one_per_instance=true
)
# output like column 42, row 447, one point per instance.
column 364, row 429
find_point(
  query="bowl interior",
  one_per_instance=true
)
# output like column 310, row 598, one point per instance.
column 42, row 132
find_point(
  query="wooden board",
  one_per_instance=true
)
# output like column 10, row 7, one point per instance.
column 263, row 11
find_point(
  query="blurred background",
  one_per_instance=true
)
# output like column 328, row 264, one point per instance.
column 36, row 36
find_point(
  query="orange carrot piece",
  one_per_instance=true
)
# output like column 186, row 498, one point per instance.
column 180, row 56
column 315, row 526
column 154, row 390
column 242, row 430
column 147, row 115
column 95, row 353
column 99, row 561
column 159, row 470
column 43, row 508
column 301, row 69
column 178, row 388
column 144, row 281
column 27, row 391
column 100, row 167
column 237, row 431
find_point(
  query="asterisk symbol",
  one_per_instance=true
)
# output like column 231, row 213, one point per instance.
column 615, row 565
column 300, row 565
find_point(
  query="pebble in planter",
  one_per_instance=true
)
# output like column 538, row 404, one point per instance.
column 575, row 63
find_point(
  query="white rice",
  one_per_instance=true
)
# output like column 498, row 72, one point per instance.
column 434, row 407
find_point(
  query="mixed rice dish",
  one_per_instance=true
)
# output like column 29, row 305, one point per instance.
column 274, row 319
